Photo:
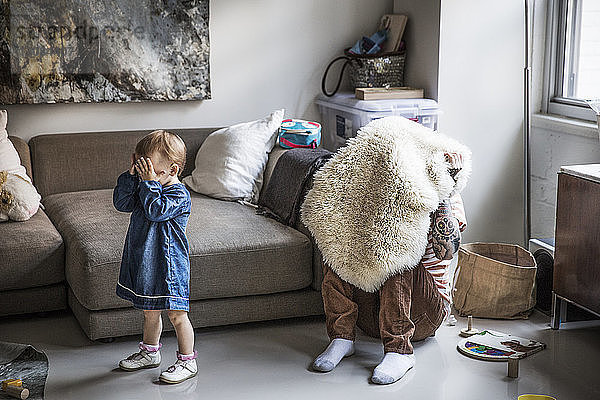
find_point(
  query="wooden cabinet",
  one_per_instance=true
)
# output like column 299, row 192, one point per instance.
column 577, row 254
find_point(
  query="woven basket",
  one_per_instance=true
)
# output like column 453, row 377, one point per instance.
column 382, row 70
column 494, row 280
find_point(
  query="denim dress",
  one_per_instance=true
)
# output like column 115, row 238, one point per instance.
column 155, row 268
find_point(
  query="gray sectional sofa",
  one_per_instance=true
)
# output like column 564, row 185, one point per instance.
column 244, row 267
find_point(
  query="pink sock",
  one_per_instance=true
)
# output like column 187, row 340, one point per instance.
column 187, row 357
column 150, row 348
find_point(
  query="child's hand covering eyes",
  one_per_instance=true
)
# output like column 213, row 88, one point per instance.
column 145, row 169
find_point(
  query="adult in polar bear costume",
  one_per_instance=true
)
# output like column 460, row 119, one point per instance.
column 386, row 214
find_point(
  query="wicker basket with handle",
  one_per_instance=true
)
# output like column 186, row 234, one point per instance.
column 381, row 70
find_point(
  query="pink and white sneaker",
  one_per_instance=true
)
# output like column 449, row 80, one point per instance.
column 147, row 357
column 184, row 368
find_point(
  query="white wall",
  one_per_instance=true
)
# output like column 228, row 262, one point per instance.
column 468, row 54
column 477, row 51
column 265, row 54
column 422, row 37
column 481, row 95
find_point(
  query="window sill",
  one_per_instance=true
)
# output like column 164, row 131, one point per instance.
column 561, row 124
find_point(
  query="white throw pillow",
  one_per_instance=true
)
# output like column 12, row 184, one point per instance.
column 9, row 158
column 231, row 161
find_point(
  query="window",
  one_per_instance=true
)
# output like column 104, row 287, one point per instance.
column 573, row 58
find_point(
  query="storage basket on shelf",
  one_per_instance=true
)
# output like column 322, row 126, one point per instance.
column 378, row 70
column 494, row 280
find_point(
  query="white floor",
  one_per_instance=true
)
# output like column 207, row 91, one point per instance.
column 270, row 361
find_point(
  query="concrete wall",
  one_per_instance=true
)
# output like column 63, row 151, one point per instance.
column 554, row 143
column 255, row 69
column 481, row 95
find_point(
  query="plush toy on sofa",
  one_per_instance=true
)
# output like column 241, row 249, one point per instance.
column 19, row 200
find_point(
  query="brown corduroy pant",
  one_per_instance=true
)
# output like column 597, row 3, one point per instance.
column 408, row 307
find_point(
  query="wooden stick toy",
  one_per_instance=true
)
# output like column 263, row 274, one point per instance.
column 18, row 392
column 13, row 382
column 14, row 388
column 469, row 330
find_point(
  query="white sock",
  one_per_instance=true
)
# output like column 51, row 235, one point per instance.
column 392, row 367
column 333, row 354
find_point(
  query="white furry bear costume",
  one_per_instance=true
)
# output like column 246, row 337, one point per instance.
column 370, row 205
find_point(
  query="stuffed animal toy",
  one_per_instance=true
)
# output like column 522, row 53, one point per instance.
column 19, row 200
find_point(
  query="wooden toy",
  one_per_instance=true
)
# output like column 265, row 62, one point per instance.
column 469, row 330
column 18, row 392
column 12, row 382
column 403, row 92
column 497, row 346
column 395, row 24
column 513, row 366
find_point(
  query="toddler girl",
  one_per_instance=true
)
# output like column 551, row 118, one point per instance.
column 155, row 269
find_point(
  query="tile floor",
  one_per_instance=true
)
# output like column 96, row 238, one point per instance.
column 270, row 360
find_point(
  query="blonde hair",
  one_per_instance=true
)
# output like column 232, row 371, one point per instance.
column 167, row 144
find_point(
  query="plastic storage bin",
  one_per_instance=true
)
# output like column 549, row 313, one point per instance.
column 343, row 115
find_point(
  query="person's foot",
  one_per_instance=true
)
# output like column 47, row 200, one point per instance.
column 392, row 368
column 184, row 368
column 333, row 354
column 145, row 358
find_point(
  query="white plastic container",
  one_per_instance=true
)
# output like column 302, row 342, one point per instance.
column 343, row 115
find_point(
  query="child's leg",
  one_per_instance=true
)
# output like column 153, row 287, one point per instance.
column 184, row 331
column 152, row 327
column 185, row 367
column 149, row 354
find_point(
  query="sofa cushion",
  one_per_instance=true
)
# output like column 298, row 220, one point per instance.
column 233, row 251
column 31, row 253
column 231, row 162
column 81, row 158
column 23, row 149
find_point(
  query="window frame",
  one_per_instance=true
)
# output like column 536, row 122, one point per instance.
column 556, row 35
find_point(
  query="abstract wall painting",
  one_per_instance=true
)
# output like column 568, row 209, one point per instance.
column 75, row 51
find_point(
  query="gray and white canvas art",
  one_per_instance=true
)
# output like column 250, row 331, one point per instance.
column 103, row 50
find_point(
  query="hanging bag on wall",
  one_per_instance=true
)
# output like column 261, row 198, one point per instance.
column 379, row 70
column 494, row 280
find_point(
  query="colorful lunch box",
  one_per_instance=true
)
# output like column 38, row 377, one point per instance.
column 296, row 133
